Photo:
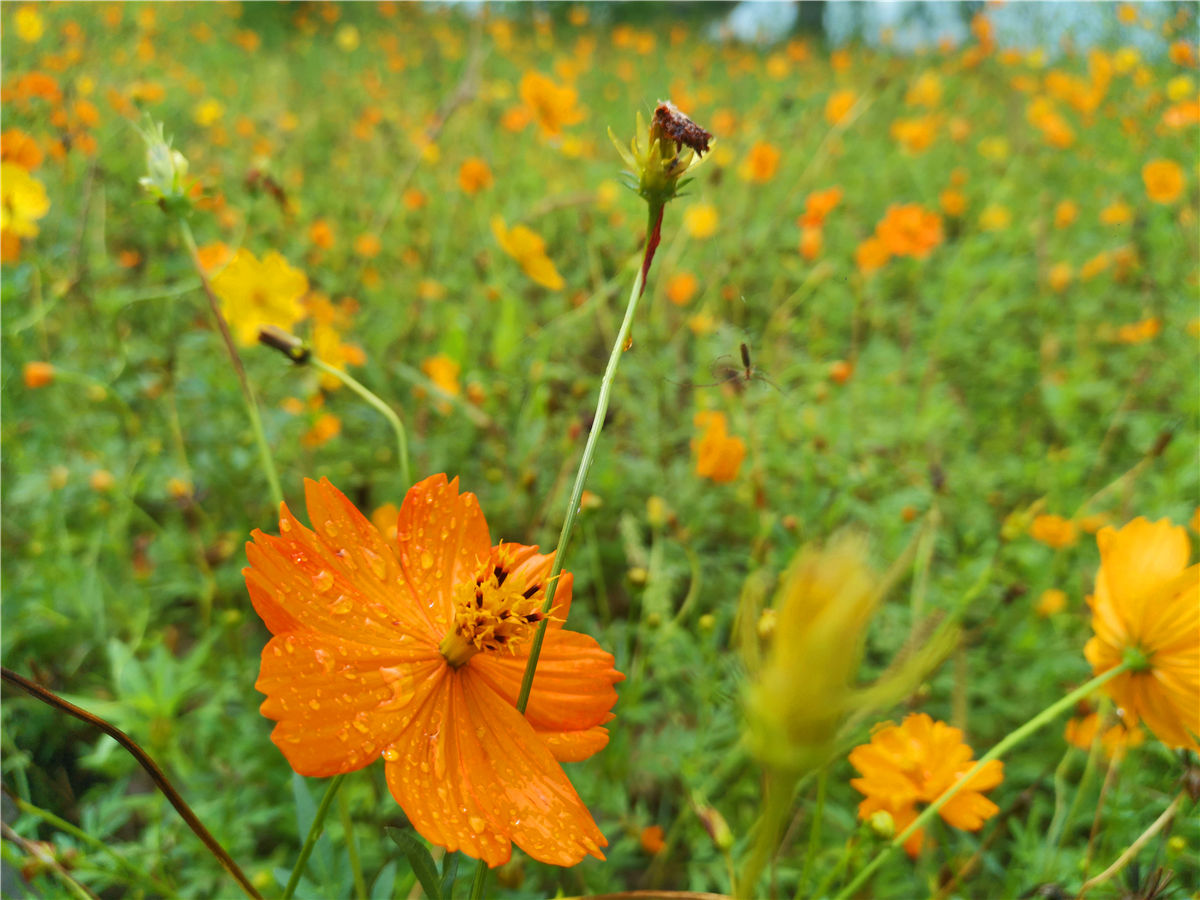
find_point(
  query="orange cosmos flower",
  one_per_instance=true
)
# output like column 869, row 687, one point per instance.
column 474, row 175
column 1115, row 740
column 37, row 374
column 414, row 651
column 761, row 163
column 1053, row 531
column 818, row 205
column 718, row 456
column 1163, row 179
column 838, row 106
column 552, row 107
column 1148, row 600
column 915, row 762
column 910, row 230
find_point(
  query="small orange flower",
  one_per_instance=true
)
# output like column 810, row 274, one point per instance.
column 37, row 374
column 367, row 245
column 651, row 839
column 681, row 288
column 1163, row 179
column 321, row 234
column 1115, row 740
column 910, row 230
column 761, row 163
column 871, row 255
column 1065, row 213
column 1116, row 213
column 325, row 429
column 915, row 762
column 818, row 205
column 1148, row 600
column 474, row 175
column 838, row 106
column 811, row 241
column 1051, row 603
column 1139, row 332
column 1053, row 531
column 718, row 456
column 415, row 652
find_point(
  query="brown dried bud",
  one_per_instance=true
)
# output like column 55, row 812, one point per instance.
column 287, row 344
column 677, row 127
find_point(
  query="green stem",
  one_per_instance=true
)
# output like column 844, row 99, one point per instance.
column 386, row 411
column 1011, row 740
column 314, row 832
column 85, row 838
column 479, row 880
column 589, row 451
column 814, row 832
column 260, row 436
column 360, row 885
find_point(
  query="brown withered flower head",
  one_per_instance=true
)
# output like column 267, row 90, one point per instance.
column 674, row 145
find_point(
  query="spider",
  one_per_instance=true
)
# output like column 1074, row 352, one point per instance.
column 738, row 377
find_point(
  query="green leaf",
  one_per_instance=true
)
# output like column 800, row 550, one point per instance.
column 420, row 859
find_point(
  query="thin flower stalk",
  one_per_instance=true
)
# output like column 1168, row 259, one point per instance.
column 260, row 436
column 374, row 400
column 1011, row 740
column 314, row 833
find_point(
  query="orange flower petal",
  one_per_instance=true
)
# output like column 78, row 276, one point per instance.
column 572, row 693
column 1138, row 557
column 342, row 579
column 443, row 539
column 509, row 788
column 338, row 703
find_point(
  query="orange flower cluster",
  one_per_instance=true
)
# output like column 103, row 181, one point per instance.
column 915, row 762
column 906, row 230
column 718, row 456
column 415, row 651
column 818, row 205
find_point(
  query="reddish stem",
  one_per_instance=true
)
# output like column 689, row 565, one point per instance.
column 652, row 240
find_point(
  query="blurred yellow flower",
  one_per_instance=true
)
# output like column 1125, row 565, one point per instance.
column 529, row 250
column 1163, row 179
column 1066, row 212
column 925, row 91
column 995, row 218
column 1051, row 603
column 1060, row 276
column 30, row 26
column 552, row 106
column 1053, row 531
column 1116, row 213
column 208, row 112
column 23, row 201
column 839, row 104
column 1147, row 601
column 347, row 38
column 700, row 220
column 255, row 293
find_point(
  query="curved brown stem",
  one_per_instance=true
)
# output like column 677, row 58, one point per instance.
column 156, row 774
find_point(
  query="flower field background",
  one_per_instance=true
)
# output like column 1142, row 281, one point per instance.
column 944, row 303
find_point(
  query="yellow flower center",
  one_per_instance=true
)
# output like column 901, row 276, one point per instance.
column 496, row 610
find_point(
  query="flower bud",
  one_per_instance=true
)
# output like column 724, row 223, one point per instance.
column 675, row 144
column 166, row 169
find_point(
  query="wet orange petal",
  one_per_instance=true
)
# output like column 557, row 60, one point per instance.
column 572, row 692
column 341, row 579
column 443, row 539
column 338, row 703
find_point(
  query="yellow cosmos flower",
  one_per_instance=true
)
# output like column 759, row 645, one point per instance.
column 256, row 293
column 529, row 250
column 1147, row 601
column 23, row 201
column 30, row 26
column 700, row 221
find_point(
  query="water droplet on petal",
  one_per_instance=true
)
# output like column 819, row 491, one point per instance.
column 477, row 824
column 391, row 754
column 289, row 644
column 426, row 560
column 375, row 562
column 330, row 528
column 325, row 658
column 358, row 723
column 323, row 580
column 314, row 704
column 285, row 525
column 341, row 605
